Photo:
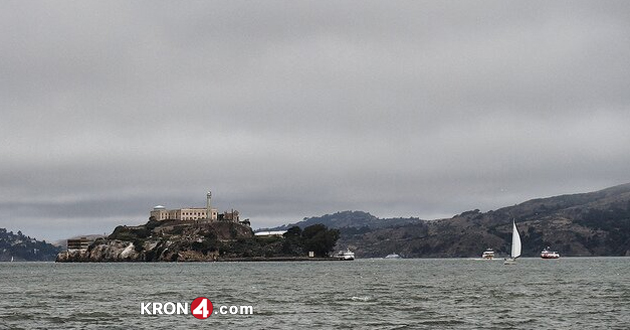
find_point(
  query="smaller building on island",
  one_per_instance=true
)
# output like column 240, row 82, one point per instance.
column 272, row 233
column 79, row 243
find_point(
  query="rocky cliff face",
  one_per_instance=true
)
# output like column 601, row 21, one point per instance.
column 116, row 250
column 161, row 241
column 113, row 250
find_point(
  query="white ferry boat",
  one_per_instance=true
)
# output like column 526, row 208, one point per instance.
column 488, row 254
column 345, row 255
column 393, row 256
column 548, row 254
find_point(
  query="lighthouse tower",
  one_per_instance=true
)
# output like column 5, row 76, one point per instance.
column 209, row 206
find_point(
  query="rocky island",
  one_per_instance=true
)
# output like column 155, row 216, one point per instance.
column 202, row 240
column 200, row 234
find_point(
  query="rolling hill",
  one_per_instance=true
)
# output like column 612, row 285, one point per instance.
column 585, row 224
column 19, row 247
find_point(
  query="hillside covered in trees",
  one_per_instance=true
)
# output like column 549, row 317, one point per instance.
column 586, row 224
column 19, row 247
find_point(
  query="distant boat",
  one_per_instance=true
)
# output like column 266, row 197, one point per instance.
column 393, row 256
column 488, row 254
column 516, row 246
column 345, row 255
column 548, row 254
column 11, row 258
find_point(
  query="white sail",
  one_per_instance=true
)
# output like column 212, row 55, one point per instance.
column 516, row 242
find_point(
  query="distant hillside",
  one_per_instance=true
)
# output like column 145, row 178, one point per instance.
column 356, row 219
column 587, row 224
column 24, row 248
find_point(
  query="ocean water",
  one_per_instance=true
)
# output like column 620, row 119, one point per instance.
column 569, row 293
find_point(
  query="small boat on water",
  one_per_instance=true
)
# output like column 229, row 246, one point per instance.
column 393, row 256
column 345, row 255
column 488, row 254
column 516, row 246
column 548, row 254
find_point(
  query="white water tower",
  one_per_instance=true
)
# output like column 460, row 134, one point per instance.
column 208, row 206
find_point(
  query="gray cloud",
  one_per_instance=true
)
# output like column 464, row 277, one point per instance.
column 294, row 109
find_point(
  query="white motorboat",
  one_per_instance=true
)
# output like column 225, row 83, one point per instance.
column 345, row 255
column 548, row 254
column 488, row 254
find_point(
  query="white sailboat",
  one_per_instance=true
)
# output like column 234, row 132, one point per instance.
column 516, row 246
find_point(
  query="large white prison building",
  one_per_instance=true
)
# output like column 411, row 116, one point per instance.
column 194, row 213
column 190, row 213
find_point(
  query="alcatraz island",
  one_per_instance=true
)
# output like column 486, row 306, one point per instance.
column 201, row 234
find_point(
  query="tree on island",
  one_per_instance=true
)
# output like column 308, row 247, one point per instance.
column 319, row 239
column 293, row 243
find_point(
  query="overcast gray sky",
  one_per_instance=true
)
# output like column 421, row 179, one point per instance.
column 290, row 109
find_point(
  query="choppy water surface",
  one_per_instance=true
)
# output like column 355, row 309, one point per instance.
column 586, row 293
